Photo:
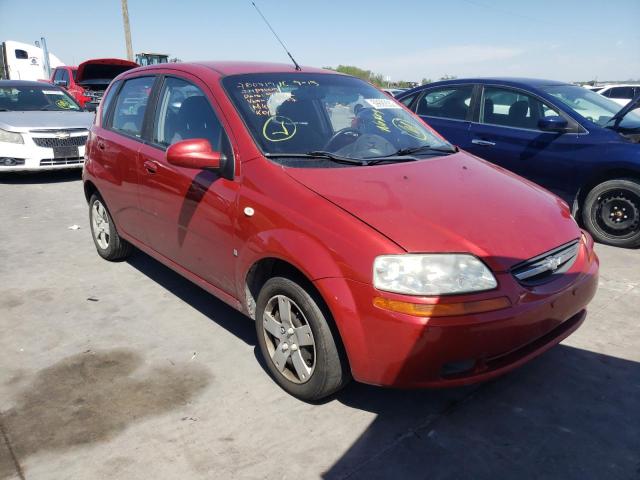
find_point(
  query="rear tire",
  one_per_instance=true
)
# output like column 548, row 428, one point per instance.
column 611, row 213
column 296, row 341
column 109, row 244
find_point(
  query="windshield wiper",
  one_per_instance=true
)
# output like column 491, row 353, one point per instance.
column 320, row 154
column 424, row 148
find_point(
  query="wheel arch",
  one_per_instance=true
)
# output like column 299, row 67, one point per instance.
column 268, row 267
column 89, row 189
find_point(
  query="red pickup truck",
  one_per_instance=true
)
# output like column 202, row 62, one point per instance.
column 88, row 81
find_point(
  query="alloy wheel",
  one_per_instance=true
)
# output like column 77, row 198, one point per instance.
column 100, row 224
column 289, row 339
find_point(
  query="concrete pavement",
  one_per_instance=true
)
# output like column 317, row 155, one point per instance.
column 126, row 370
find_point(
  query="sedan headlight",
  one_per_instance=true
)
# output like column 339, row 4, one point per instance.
column 431, row 274
column 10, row 137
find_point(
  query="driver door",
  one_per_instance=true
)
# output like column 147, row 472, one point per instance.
column 189, row 212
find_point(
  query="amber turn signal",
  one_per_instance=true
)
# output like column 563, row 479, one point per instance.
column 442, row 309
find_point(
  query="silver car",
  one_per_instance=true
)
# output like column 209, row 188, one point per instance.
column 41, row 127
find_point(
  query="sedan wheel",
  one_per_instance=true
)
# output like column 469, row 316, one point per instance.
column 612, row 213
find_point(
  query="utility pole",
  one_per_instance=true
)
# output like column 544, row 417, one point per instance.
column 127, row 30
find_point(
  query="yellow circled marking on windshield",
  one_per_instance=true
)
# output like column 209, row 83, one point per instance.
column 279, row 129
column 409, row 128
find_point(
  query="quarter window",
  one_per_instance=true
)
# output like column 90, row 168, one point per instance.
column 184, row 113
column 21, row 54
column 512, row 108
column 131, row 104
column 447, row 102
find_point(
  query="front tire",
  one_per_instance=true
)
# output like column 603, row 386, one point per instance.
column 105, row 236
column 296, row 341
column 611, row 213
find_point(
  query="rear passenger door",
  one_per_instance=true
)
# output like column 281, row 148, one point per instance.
column 188, row 213
column 118, row 140
column 448, row 109
column 507, row 134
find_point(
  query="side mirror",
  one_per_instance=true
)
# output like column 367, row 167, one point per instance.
column 61, row 83
column 195, row 153
column 553, row 124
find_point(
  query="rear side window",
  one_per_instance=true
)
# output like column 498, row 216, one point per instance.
column 106, row 102
column 446, row 102
column 131, row 105
column 183, row 113
column 407, row 101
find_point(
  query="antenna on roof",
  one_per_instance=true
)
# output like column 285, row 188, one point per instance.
column 277, row 37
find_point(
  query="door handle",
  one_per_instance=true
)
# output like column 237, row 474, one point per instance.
column 151, row 166
column 486, row 143
column 101, row 145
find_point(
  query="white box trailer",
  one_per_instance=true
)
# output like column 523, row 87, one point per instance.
column 22, row 61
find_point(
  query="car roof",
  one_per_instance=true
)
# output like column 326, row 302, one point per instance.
column 533, row 82
column 611, row 85
column 25, row 83
column 226, row 68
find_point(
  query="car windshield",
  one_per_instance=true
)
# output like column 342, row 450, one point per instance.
column 33, row 98
column 592, row 106
column 336, row 114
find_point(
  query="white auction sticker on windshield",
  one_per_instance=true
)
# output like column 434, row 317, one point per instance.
column 382, row 103
column 52, row 92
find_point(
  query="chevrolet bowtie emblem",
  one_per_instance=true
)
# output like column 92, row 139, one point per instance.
column 62, row 135
column 552, row 263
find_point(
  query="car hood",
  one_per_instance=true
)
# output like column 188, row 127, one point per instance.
column 456, row 203
column 102, row 70
column 25, row 121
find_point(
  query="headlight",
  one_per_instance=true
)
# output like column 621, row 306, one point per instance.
column 431, row 274
column 10, row 137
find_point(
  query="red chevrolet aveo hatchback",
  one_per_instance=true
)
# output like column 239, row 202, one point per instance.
column 361, row 242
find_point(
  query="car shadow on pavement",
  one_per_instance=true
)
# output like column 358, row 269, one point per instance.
column 571, row 413
column 227, row 317
column 33, row 178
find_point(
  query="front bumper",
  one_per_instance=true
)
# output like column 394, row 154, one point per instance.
column 394, row 349
column 30, row 157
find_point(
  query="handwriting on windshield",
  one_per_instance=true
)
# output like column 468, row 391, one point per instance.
column 409, row 127
column 258, row 94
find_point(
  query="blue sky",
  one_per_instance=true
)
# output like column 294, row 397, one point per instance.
column 560, row 39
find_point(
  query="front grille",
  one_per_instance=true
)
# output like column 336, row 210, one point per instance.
column 61, row 161
column 50, row 142
column 548, row 266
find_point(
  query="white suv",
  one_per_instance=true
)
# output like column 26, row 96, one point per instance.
column 621, row 94
column 41, row 127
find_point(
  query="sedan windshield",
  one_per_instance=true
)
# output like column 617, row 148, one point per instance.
column 34, row 98
column 336, row 115
column 592, row 106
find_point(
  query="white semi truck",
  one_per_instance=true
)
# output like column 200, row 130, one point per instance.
column 22, row 61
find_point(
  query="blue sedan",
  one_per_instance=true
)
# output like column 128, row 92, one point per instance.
column 572, row 141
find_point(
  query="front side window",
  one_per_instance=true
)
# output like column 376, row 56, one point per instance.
column 131, row 104
column 512, row 108
column 447, row 102
column 183, row 113
column 34, row 98
column 299, row 113
column 21, row 54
